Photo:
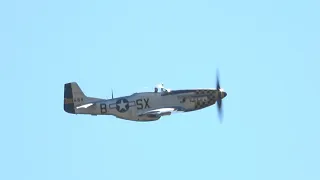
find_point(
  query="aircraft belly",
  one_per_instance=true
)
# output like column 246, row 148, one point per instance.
column 122, row 115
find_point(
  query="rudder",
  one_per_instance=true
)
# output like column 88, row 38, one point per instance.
column 73, row 96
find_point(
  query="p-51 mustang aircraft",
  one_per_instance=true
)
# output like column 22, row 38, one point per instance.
column 143, row 106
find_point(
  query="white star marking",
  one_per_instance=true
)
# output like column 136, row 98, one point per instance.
column 122, row 105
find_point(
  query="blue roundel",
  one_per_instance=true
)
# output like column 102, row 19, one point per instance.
column 122, row 105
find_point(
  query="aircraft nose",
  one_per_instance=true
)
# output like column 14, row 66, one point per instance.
column 225, row 94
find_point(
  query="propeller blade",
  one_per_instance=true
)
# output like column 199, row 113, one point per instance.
column 220, row 113
column 220, row 110
column 218, row 80
column 219, row 99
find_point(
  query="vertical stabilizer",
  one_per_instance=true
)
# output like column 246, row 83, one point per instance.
column 73, row 96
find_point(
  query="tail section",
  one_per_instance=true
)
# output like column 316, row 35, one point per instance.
column 73, row 96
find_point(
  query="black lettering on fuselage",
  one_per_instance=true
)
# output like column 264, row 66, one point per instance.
column 140, row 104
column 146, row 101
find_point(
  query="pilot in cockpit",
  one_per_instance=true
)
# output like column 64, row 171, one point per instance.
column 163, row 90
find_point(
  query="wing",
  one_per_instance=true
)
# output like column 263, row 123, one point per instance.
column 161, row 111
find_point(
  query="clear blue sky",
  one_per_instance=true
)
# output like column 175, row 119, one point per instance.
column 267, row 53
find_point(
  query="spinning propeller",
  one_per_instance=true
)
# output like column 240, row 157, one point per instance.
column 221, row 95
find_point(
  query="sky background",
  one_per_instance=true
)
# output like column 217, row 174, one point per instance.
column 267, row 53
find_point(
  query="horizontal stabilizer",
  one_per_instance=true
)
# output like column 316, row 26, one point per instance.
column 84, row 106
